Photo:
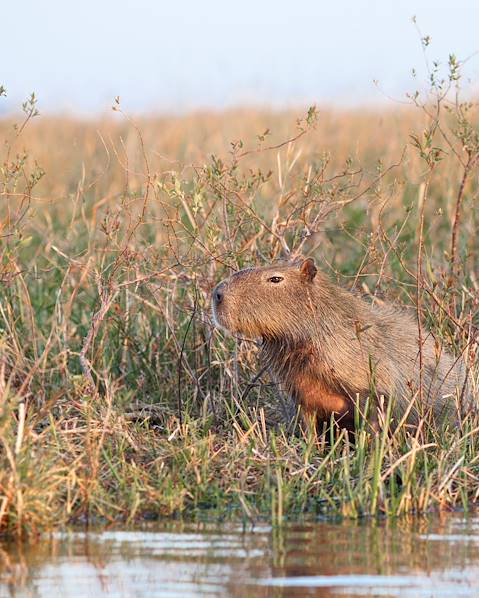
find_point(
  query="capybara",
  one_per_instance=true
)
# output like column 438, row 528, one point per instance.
column 331, row 349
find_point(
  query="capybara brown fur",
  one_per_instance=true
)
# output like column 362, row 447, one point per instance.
column 329, row 347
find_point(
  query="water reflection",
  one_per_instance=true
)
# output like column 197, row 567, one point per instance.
column 427, row 557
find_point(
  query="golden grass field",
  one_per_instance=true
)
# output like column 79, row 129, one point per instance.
column 119, row 400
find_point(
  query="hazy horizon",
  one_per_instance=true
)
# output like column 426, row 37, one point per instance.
column 191, row 56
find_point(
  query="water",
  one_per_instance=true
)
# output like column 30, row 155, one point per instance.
column 407, row 558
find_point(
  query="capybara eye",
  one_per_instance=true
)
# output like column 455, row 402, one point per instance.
column 275, row 279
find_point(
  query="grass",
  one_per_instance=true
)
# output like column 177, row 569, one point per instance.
column 118, row 399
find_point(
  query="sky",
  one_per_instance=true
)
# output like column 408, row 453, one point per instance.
column 186, row 55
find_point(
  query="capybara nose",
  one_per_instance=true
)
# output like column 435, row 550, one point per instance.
column 218, row 296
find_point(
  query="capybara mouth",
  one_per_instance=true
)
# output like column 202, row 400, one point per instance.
column 222, row 320
column 218, row 318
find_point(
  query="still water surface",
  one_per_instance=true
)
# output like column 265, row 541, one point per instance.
column 408, row 558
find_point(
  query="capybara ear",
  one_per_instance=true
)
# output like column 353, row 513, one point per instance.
column 308, row 269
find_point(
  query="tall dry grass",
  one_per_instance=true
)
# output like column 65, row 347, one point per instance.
column 119, row 400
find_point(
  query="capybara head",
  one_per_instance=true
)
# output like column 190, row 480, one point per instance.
column 271, row 302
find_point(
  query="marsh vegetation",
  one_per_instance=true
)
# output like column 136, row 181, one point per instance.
column 118, row 399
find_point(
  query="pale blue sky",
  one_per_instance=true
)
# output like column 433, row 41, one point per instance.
column 186, row 54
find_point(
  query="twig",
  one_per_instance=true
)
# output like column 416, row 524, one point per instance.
column 180, row 360
column 457, row 212
column 106, row 298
